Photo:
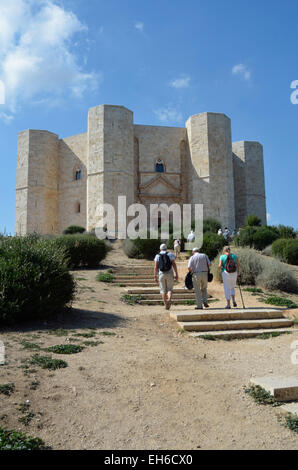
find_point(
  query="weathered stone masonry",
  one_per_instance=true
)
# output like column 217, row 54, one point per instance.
column 60, row 182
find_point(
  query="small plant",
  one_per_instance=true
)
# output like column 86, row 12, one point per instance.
column 261, row 396
column 86, row 335
column 34, row 385
column 27, row 418
column 73, row 229
column 281, row 302
column 7, row 389
column 253, row 290
column 292, row 422
column 46, row 362
column 208, row 337
column 189, row 302
column 105, row 277
column 65, row 349
column 131, row 299
column 274, row 334
column 107, row 333
column 14, row 440
column 92, row 343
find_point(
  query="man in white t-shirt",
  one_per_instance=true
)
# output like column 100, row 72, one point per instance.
column 198, row 265
column 164, row 263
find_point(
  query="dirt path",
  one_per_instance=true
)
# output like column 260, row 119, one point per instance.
column 146, row 387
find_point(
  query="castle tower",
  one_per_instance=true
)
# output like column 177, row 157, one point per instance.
column 111, row 164
column 37, row 183
column 211, row 166
column 250, row 198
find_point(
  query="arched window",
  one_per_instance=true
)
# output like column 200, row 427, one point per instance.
column 78, row 174
column 159, row 166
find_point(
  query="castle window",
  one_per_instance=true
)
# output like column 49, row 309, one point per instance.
column 159, row 166
column 78, row 208
column 78, row 174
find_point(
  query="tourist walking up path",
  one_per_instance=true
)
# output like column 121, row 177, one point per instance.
column 231, row 270
column 164, row 263
column 198, row 265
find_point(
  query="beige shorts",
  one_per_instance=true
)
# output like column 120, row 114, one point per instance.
column 166, row 282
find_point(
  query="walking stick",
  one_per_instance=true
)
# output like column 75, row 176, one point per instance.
column 239, row 284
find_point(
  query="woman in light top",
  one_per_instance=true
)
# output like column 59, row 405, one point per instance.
column 230, row 269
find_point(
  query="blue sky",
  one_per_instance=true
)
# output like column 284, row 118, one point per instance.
column 165, row 60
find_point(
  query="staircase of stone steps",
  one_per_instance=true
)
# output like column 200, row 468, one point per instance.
column 235, row 323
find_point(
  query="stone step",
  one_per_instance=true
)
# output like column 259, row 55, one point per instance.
column 175, row 301
column 240, row 334
column 190, row 296
column 281, row 388
column 177, row 290
column 290, row 408
column 137, row 284
column 235, row 324
column 221, row 314
column 134, row 278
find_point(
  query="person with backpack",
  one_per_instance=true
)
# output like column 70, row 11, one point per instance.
column 230, row 269
column 198, row 266
column 164, row 263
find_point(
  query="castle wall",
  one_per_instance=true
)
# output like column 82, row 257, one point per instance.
column 72, row 192
column 37, row 183
column 249, row 164
column 116, row 157
column 211, row 171
column 111, row 153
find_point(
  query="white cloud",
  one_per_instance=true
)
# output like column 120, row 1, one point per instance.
column 36, row 57
column 139, row 26
column 242, row 70
column 268, row 217
column 6, row 118
column 168, row 115
column 180, row 82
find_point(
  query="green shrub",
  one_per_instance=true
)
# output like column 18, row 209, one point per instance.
column 73, row 229
column 256, row 237
column 286, row 250
column 253, row 221
column 105, row 277
column 277, row 276
column 141, row 248
column 34, row 279
column 286, row 231
column 65, row 349
column 211, row 225
column 83, row 250
column 281, row 302
column 212, row 244
column 14, row 440
column 46, row 362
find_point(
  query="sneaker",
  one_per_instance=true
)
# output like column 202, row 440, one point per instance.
column 206, row 305
column 228, row 307
column 199, row 308
column 169, row 303
column 234, row 304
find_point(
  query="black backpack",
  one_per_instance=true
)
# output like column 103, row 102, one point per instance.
column 165, row 264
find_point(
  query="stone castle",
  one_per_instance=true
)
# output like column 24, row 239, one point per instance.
column 61, row 181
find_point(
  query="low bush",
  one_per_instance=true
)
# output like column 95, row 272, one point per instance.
column 105, row 277
column 286, row 250
column 14, row 440
column 141, row 248
column 73, row 229
column 277, row 276
column 83, row 250
column 286, row 231
column 211, row 225
column 212, row 244
column 281, row 302
column 256, row 237
column 35, row 282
